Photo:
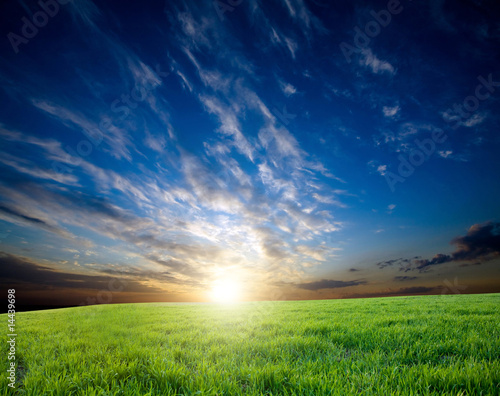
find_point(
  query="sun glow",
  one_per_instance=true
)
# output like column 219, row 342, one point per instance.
column 226, row 291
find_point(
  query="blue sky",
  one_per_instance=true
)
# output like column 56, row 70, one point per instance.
column 304, row 149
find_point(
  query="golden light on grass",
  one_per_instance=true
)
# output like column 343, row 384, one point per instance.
column 226, row 291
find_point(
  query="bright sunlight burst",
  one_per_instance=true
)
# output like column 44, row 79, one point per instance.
column 226, row 291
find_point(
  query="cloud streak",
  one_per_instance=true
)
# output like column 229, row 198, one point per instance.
column 329, row 284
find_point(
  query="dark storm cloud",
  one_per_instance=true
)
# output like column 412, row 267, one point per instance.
column 329, row 284
column 19, row 270
column 482, row 242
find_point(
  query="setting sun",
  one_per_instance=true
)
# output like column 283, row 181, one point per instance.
column 226, row 291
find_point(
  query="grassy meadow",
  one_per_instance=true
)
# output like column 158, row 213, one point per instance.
column 424, row 345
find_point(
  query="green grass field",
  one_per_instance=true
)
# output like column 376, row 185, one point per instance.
column 426, row 345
